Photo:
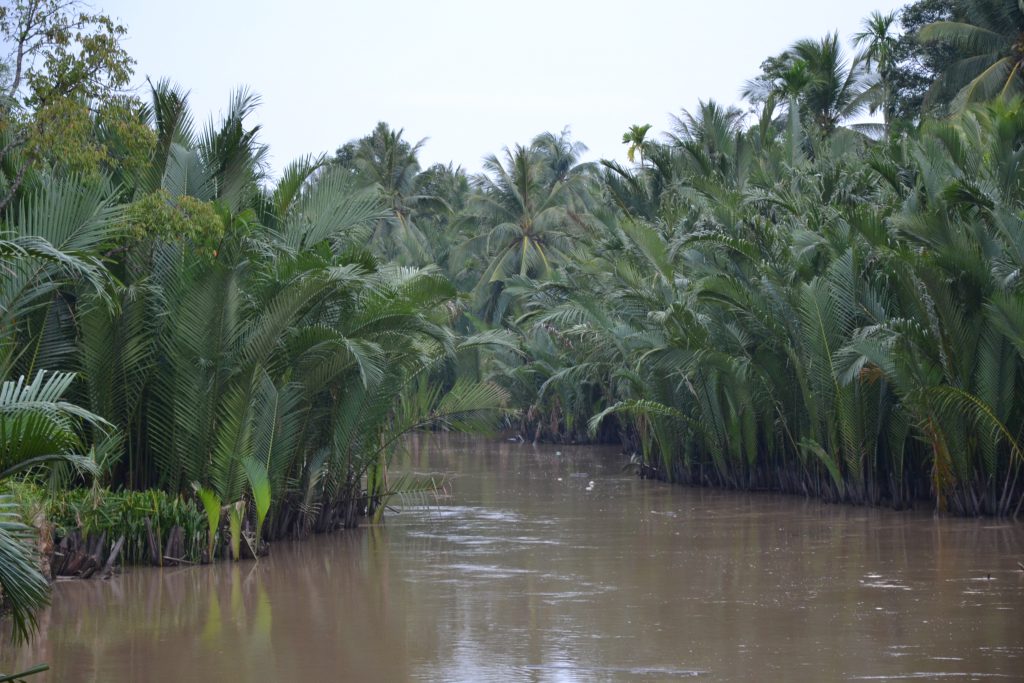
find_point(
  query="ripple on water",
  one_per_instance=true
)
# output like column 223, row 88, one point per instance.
column 878, row 581
column 582, row 672
column 459, row 539
column 435, row 512
column 486, row 569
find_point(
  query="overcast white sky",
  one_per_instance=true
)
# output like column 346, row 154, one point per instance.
column 471, row 75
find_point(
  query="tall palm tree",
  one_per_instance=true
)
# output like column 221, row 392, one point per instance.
column 562, row 156
column 386, row 161
column 877, row 38
column 711, row 126
column 990, row 39
column 528, row 218
column 879, row 41
column 838, row 88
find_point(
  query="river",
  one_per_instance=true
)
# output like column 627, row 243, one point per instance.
column 523, row 574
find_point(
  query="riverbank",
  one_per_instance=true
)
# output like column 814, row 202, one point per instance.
column 91, row 532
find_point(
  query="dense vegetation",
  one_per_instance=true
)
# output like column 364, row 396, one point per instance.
column 183, row 323
column 785, row 298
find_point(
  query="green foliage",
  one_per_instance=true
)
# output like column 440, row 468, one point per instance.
column 61, row 49
column 790, row 301
column 917, row 64
column 95, row 512
column 51, row 243
column 158, row 216
column 65, row 60
column 37, row 426
column 796, row 331
column 24, row 588
column 212, row 507
column 990, row 51
column 39, row 429
column 238, row 369
column 236, row 512
column 259, row 481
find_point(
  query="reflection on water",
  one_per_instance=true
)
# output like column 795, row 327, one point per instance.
column 526, row 575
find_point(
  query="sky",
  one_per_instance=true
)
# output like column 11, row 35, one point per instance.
column 472, row 76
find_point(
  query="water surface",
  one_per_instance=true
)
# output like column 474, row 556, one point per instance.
column 525, row 575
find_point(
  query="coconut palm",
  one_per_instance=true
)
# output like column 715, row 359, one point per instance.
column 712, row 126
column 562, row 156
column 989, row 39
column 529, row 219
column 838, row 88
column 441, row 219
column 709, row 140
column 387, row 162
column 877, row 38
column 880, row 42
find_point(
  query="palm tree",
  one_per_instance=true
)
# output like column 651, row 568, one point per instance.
column 171, row 120
column 562, row 157
column 876, row 35
column 782, row 78
column 635, row 138
column 711, row 126
column 838, row 88
column 388, row 163
column 440, row 219
column 38, row 428
column 224, row 162
column 880, row 43
column 529, row 219
column 51, row 244
column 993, row 51
column 708, row 138
column 232, row 155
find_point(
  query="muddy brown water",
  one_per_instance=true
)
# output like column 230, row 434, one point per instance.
column 525, row 575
